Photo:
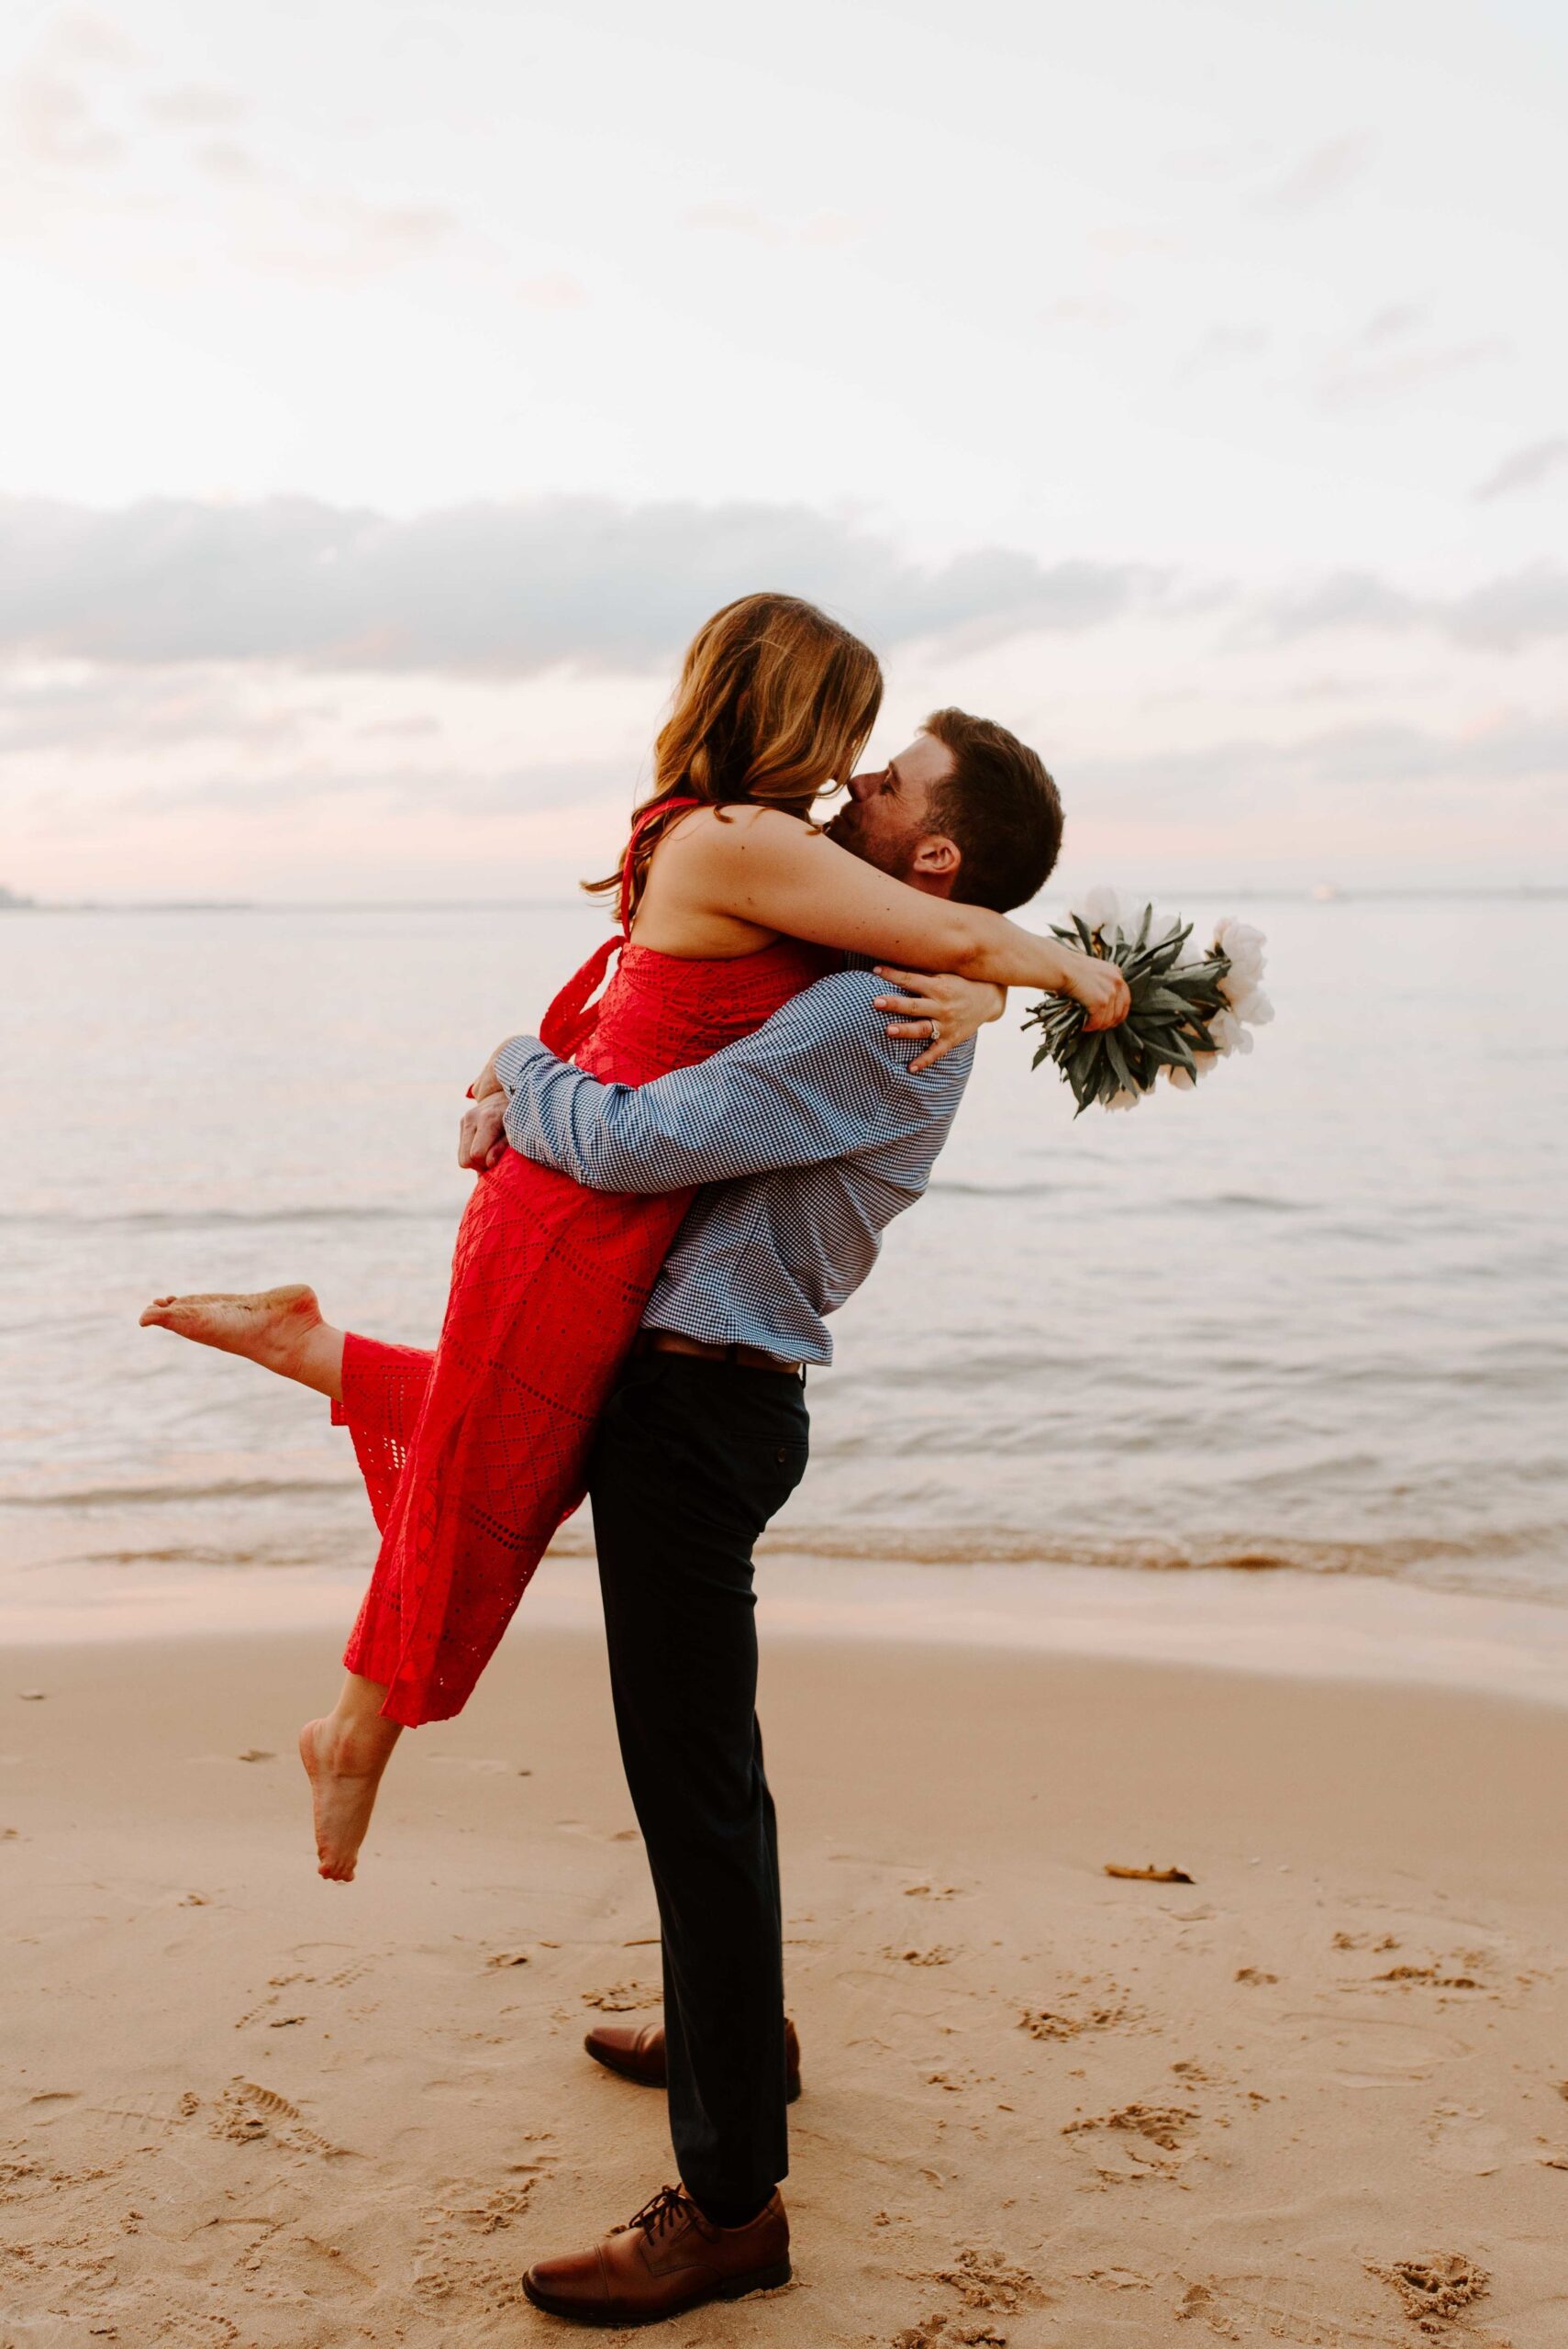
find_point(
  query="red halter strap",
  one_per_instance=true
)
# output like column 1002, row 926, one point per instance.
column 574, row 1015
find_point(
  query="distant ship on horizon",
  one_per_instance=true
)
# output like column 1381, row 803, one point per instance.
column 11, row 900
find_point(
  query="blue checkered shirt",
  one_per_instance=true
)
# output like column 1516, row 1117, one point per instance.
column 805, row 1139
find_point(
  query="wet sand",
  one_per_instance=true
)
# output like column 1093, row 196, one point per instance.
column 1315, row 2095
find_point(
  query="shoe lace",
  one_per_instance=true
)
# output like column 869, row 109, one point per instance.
column 666, row 2208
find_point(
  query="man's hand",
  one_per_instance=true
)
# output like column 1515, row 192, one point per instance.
column 1099, row 985
column 482, row 1137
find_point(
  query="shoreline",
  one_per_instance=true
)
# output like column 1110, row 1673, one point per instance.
column 1041, row 2106
column 1281, row 1622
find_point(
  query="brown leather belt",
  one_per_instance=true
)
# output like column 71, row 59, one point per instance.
column 671, row 1342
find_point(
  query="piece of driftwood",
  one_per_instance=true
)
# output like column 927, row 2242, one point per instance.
column 1150, row 1875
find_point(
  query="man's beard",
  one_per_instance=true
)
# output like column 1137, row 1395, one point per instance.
column 896, row 859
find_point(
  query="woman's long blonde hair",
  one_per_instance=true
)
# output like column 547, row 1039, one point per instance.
column 775, row 701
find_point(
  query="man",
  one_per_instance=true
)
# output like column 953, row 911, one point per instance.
column 808, row 1138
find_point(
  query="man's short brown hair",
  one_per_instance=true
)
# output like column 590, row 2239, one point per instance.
column 1000, row 810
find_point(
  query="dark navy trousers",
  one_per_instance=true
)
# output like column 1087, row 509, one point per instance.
column 692, row 1459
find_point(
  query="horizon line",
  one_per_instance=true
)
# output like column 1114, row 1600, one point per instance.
column 1308, row 893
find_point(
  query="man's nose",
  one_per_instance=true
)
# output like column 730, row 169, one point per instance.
column 862, row 786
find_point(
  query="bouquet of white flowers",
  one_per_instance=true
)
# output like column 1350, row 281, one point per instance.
column 1189, row 1008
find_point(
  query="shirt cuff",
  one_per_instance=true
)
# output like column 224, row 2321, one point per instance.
column 516, row 1057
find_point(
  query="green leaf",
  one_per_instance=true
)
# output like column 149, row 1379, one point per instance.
column 1119, row 1061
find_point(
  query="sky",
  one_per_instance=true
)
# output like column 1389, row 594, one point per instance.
column 392, row 388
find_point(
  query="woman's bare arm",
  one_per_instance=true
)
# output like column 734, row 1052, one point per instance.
column 766, row 868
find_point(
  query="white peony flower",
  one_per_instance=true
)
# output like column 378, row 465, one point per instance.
column 1227, row 1032
column 1242, row 947
column 1124, row 1100
column 1250, row 1004
column 1101, row 910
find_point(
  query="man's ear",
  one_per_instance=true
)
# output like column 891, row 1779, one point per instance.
column 937, row 858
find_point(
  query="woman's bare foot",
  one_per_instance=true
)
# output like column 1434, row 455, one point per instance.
column 344, row 1761
column 281, row 1329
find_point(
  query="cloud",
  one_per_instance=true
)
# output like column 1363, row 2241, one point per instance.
column 746, row 220
column 1395, row 320
column 1085, row 310
column 1525, row 467
column 1223, row 344
column 227, row 161
column 328, row 239
column 95, row 40
column 102, row 713
column 497, row 589
column 555, row 291
column 1246, row 775
column 510, row 791
column 54, row 124
column 197, row 106
column 1349, row 379
column 1323, row 172
column 1499, row 615
column 1126, row 243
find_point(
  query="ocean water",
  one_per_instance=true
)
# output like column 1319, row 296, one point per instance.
column 1310, row 1318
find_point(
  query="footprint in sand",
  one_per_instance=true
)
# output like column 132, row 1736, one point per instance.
column 1244, row 2309
column 1435, row 2289
column 624, row 1998
column 347, row 1976
column 246, row 2114
column 1464, row 2144
column 1137, row 2141
column 988, row 2286
column 941, row 2332
column 1382, row 2049
column 255, row 2014
column 158, row 2117
column 1106, row 2006
column 446, row 2266
column 935, row 1956
column 191, row 2328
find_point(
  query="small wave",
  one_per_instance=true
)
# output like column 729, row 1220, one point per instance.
column 251, row 1489
column 216, row 1219
column 1389, row 1558
column 1235, row 1203
column 953, row 1187
column 265, row 1555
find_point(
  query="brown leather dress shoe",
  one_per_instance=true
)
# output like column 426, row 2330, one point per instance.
column 666, row 2259
column 639, row 2055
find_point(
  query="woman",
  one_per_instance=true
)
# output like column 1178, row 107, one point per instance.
column 730, row 901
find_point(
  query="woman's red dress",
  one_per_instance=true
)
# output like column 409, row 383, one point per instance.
column 473, row 1454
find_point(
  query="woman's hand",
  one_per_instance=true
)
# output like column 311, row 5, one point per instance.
column 482, row 1137
column 487, row 1081
column 944, row 1010
column 1099, row 985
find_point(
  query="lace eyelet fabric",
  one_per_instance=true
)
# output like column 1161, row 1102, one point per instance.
column 474, row 1453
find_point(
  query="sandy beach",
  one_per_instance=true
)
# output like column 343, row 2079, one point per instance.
column 1314, row 2096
